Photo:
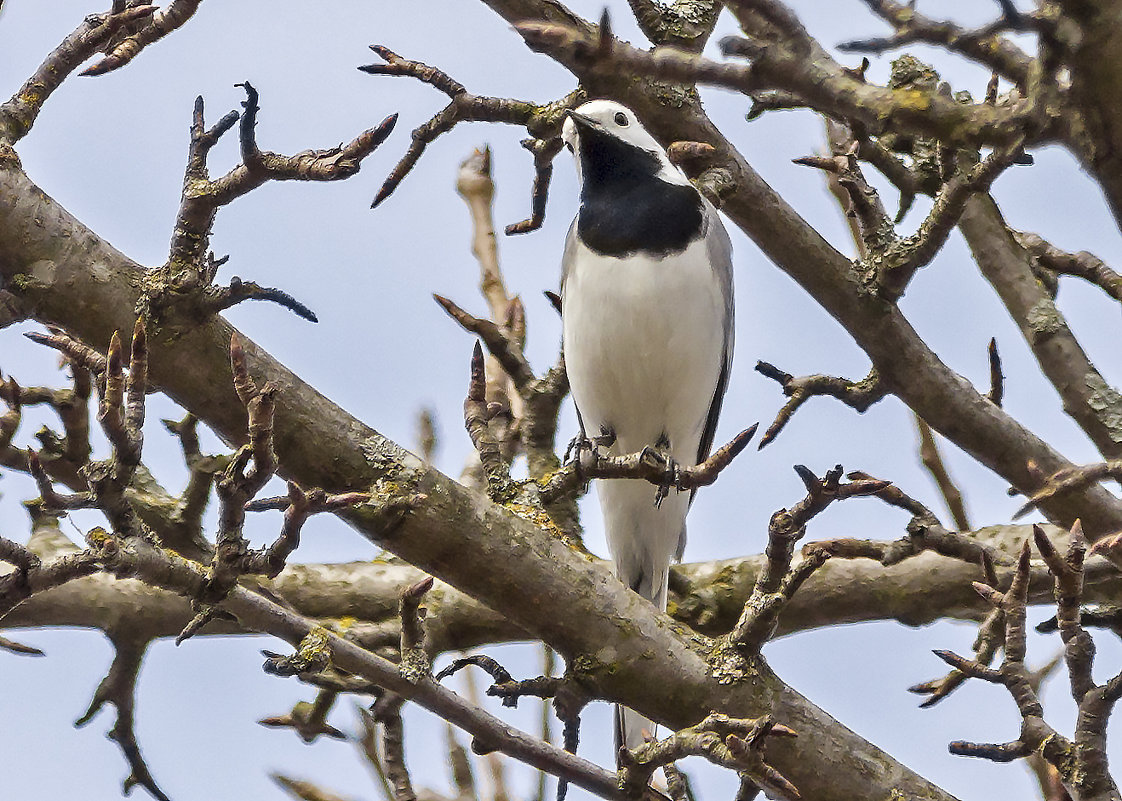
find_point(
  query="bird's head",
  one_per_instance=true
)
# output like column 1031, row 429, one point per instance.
column 603, row 134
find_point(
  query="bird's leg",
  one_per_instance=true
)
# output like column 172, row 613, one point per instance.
column 592, row 445
column 672, row 475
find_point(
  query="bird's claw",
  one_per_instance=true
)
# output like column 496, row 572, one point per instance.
column 583, row 443
column 672, row 473
column 577, row 444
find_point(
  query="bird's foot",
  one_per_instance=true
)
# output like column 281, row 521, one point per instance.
column 671, row 475
column 582, row 443
column 577, row 444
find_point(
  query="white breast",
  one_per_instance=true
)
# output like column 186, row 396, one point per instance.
column 644, row 342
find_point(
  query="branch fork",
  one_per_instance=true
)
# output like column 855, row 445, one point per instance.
column 733, row 743
column 1081, row 763
column 185, row 283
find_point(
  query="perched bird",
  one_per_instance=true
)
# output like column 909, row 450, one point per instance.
column 647, row 313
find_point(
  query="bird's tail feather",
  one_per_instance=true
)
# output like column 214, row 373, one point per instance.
column 631, row 728
column 643, row 540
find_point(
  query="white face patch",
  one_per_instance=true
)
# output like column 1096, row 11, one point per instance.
column 621, row 122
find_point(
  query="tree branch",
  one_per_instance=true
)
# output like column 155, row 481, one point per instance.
column 983, row 45
column 119, row 688
column 1087, row 398
column 541, row 121
column 188, row 264
column 18, row 114
column 1082, row 264
column 162, row 23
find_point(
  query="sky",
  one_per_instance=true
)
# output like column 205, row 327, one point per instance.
column 112, row 150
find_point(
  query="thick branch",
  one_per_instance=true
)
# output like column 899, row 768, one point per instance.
column 684, row 23
column 810, row 73
column 1095, row 83
column 708, row 596
column 141, row 560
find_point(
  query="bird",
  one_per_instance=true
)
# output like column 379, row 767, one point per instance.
column 647, row 336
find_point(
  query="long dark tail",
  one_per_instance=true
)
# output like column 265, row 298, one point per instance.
column 631, row 728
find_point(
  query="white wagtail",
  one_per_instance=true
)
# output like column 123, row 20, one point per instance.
column 647, row 309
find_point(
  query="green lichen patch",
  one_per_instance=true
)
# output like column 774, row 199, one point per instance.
column 911, row 73
column 727, row 665
column 1107, row 404
column 1043, row 320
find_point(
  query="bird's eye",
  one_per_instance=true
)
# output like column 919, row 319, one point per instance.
column 621, row 119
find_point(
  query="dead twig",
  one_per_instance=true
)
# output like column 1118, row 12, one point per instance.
column 933, row 461
column 541, row 121
column 858, row 395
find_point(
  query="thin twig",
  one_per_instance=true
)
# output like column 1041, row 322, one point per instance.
column 858, row 395
column 983, row 45
column 119, row 688
column 18, row 114
column 645, row 464
column 540, row 121
column 732, row 743
column 778, row 582
column 933, row 461
column 162, row 22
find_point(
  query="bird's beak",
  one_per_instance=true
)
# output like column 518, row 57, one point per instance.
column 581, row 120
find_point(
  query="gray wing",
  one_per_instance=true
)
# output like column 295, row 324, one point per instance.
column 566, row 262
column 567, row 257
column 720, row 257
